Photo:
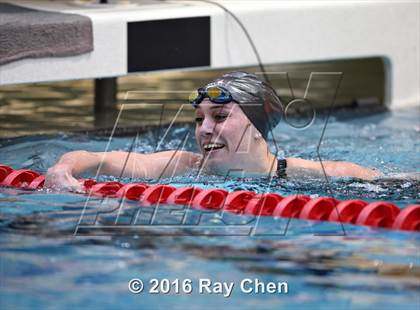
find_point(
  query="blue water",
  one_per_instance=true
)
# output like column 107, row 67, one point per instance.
column 44, row 265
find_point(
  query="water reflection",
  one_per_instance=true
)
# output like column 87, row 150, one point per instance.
column 68, row 106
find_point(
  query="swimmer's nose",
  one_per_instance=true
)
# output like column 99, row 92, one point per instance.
column 207, row 127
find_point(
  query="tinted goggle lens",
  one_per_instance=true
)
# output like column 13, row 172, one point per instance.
column 214, row 93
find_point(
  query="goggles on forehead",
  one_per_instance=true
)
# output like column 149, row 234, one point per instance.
column 216, row 94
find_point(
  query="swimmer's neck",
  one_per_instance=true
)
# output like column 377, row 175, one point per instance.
column 266, row 167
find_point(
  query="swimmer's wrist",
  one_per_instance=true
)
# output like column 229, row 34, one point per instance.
column 69, row 162
column 63, row 168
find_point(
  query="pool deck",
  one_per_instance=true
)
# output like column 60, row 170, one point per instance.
column 282, row 31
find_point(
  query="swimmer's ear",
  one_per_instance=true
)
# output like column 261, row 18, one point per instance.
column 257, row 134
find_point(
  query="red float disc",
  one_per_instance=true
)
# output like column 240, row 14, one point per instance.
column 4, row 172
column 263, row 204
column 105, row 189
column 318, row 209
column 156, row 194
column 132, row 191
column 183, row 195
column 20, row 178
column 210, row 199
column 38, row 182
column 88, row 183
column 408, row 219
column 290, row 206
column 378, row 214
column 347, row 211
column 237, row 201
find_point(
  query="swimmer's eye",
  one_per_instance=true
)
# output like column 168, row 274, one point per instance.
column 220, row 117
column 199, row 120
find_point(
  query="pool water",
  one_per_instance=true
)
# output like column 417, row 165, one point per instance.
column 44, row 265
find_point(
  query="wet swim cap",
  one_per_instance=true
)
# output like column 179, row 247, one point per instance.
column 257, row 99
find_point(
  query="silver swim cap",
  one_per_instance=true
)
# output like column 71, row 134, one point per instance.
column 257, row 99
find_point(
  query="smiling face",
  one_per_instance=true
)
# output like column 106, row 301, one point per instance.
column 226, row 138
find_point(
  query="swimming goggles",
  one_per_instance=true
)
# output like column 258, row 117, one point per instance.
column 216, row 94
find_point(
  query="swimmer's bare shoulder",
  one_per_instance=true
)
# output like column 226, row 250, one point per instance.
column 299, row 166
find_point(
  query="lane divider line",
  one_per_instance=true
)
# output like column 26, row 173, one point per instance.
column 355, row 211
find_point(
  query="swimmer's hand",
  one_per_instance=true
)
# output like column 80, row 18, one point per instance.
column 59, row 177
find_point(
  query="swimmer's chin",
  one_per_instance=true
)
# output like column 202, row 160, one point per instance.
column 216, row 166
column 217, row 169
column 214, row 163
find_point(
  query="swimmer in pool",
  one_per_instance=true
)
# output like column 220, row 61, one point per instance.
column 234, row 115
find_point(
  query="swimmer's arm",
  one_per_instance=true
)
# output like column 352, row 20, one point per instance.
column 61, row 175
column 154, row 165
column 301, row 166
column 162, row 164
